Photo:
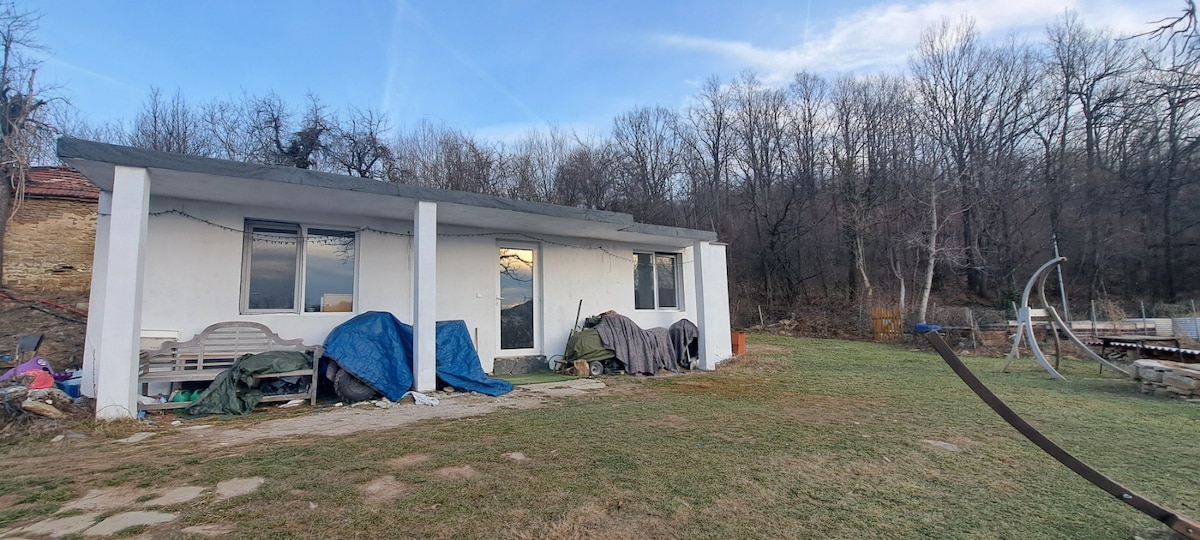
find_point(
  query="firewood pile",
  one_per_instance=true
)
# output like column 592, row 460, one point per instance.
column 1168, row 379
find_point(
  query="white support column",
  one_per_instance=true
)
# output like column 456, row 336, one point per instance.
column 425, row 297
column 115, row 368
column 712, row 304
column 95, row 320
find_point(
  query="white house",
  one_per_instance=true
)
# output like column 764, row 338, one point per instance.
column 183, row 242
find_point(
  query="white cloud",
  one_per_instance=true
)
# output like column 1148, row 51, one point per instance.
column 883, row 36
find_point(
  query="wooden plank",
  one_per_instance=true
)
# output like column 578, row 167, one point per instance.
column 886, row 324
column 182, row 404
column 179, row 376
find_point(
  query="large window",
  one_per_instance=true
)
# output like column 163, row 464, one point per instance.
column 656, row 281
column 288, row 266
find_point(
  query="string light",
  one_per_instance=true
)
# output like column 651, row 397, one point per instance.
column 287, row 239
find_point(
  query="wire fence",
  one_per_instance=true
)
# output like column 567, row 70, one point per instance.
column 832, row 319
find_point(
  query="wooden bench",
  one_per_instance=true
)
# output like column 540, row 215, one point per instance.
column 212, row 351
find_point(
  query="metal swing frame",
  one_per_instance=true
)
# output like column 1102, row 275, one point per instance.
column 1026, row 314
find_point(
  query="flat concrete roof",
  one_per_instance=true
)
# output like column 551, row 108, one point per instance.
column 206, row 179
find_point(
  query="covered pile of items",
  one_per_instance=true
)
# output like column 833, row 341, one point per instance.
column 34, row 387
column 372, row 354
column 611, row 343
column 1168, row 379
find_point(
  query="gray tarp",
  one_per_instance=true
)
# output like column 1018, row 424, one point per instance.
column 642, row 351
column 234, row 391
column 683, row 341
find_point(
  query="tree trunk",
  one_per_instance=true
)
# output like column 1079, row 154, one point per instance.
column 6, row 196
column 931, row 256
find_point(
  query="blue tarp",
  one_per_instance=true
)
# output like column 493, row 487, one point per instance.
column 377, row 348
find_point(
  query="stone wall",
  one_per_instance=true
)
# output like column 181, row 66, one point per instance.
column 49, row 245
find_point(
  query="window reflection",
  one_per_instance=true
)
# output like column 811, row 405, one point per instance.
column 664, row 266
column 516, row 298
column 656, row 281
column 329, row 271
column 273, row 262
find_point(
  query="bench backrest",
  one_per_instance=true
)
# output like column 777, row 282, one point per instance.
column 218, row 346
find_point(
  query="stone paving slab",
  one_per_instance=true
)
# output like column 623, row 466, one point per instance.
column 238, row 486
column 125, row 520
column 102, row 500
column 60, row 527
column 178, row 495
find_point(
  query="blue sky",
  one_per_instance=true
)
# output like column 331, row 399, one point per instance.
column 498, row 68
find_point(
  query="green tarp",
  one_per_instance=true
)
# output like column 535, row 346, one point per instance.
column 585, row 345
column 235, row 390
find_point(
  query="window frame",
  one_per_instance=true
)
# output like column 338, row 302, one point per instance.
column 301, row 276
column 677, row 259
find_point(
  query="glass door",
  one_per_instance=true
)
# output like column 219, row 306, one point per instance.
column 518, row 299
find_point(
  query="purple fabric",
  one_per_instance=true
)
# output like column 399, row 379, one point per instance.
column 33, row 364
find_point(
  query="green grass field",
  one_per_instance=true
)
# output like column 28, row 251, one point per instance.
column 802, row 439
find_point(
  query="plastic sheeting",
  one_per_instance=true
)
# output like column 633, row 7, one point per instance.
column 377, row 348
column 585, row 345
column 235, row 392
column 458, row 364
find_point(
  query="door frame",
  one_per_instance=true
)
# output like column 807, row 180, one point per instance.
column 536, row 248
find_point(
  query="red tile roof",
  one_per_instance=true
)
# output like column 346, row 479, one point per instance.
column 60, row 183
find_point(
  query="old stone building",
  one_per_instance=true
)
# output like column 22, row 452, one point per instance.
column 51, row 238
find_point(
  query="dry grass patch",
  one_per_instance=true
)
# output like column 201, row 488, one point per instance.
column 384, row 490
column 461, row 472
column 735, row 388
column 824, row 410
column 592, row 522
column 670, row 421
column 409, row 460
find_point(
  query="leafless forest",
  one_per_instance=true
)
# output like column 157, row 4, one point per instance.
column 951, row 176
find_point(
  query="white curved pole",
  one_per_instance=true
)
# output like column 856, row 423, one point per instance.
column 1038, row 277
column 1087, row 351
column 1026, row 322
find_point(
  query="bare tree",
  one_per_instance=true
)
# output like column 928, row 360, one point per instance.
column 357, row 144
column 169, row 126
column 705, row 134
column 585, row 177
column 765, row 191
column 533, row 165
column 20, row 127
column 649, row 162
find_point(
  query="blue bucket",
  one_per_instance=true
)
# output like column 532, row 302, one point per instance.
column 70, row 387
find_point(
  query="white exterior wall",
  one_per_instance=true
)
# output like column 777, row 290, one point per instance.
column 603, row 282
column 193, row 277
column 194, row 271
column 468, row 272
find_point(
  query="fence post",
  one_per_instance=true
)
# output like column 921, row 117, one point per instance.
column 1093, row 318
column 1143, row 304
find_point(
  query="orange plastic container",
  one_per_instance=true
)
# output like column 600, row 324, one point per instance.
column 739, row 343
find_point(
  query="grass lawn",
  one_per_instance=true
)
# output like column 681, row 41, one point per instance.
column 802, row 439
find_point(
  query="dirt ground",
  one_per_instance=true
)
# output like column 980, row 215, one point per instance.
column 62, row 331
column 91, row 449
column 109, row 511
